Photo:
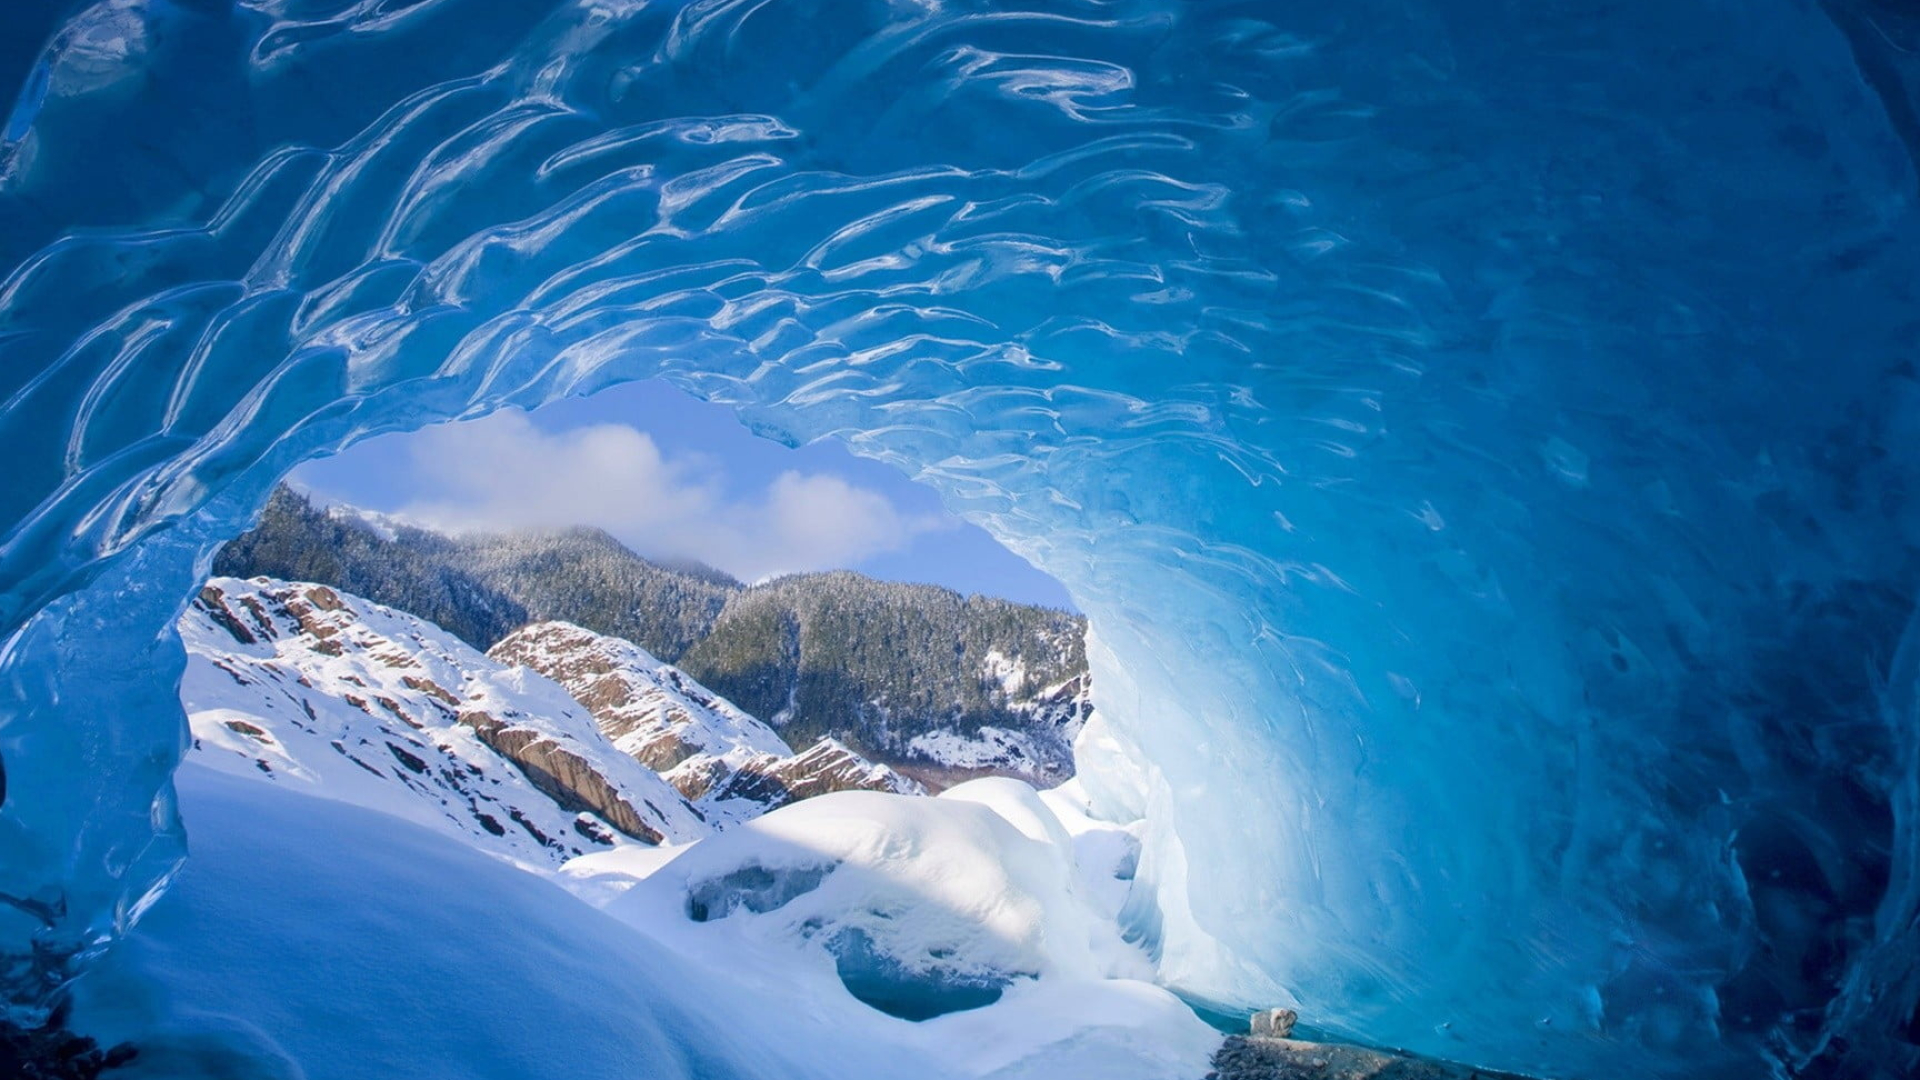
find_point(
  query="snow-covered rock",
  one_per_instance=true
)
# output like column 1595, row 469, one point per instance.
column 827, row 766
column 301, row 685
column 733, row 765
column 649, row 708
column 1035, row 745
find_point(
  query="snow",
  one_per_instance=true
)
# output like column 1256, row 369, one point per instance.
column 1105, row 855
column 1054, row 716
column 365, row 705
column 1009, row 671
column 1018, row 804
column 599, row 877
column 948, row 890
column 339, row 924
column 976, row 888
column 310, row 938
column 653, row 700
column 986, row 747
column 385, row 526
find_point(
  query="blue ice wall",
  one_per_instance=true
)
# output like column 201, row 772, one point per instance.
column 1482, row 433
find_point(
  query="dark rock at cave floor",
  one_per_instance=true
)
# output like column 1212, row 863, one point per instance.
column 1248, row 1057
column 54, row 1053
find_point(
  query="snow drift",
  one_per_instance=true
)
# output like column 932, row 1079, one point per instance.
column 1479, row 434
column 926, row 906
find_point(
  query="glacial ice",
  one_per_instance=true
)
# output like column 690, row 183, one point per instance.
column 1481, row 434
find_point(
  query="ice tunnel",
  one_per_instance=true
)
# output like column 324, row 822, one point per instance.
column 1482, row 433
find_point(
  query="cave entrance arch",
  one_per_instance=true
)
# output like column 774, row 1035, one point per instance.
column 1450, row 440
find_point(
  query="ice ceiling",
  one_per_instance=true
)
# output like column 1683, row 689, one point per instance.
column 1482, row 433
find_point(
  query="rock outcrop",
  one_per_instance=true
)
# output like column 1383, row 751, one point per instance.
column 567, row 778
column 296, row 683
column 729, row 763
column 650, row 709
column 828, row 765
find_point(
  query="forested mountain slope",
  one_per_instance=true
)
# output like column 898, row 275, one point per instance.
column 903, row 671
column 916, row 676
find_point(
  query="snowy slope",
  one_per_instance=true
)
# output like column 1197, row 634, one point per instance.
column 309, row 938
column 1038, row 745
column 313, row 940
column 299, row 685
column 649, row 708
column 734, row 766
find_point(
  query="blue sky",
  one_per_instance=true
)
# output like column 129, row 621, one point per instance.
column 675, row 477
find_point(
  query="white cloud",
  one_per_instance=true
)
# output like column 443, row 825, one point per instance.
column 502, row 472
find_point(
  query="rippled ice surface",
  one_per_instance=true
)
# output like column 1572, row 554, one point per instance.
column 1482, row 434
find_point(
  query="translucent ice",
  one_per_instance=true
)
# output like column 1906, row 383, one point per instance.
column 1481, row 434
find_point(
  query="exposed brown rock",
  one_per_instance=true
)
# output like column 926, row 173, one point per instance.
column 260, row 617
column 824, row 767
column 399, row 713
column 428, row 686
column 310, row 624
column 646, row 714
column 214, row 603
column 694, row 780
column 565, row 777
column 249, row 730
column 325, row 599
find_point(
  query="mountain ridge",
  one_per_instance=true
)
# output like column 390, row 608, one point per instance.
column 940, row 685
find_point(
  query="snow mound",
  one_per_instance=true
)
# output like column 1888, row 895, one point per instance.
column 314, row 939
column 925, row 906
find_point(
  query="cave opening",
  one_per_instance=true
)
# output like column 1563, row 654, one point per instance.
column 635, row 575
column 1479, row 433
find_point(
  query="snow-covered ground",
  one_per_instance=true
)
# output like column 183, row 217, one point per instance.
column 342, row 918
column 310, row 938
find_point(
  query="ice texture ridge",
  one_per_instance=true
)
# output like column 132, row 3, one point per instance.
column 1481, row 434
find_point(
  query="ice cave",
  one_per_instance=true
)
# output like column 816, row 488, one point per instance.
column 1476, row 431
